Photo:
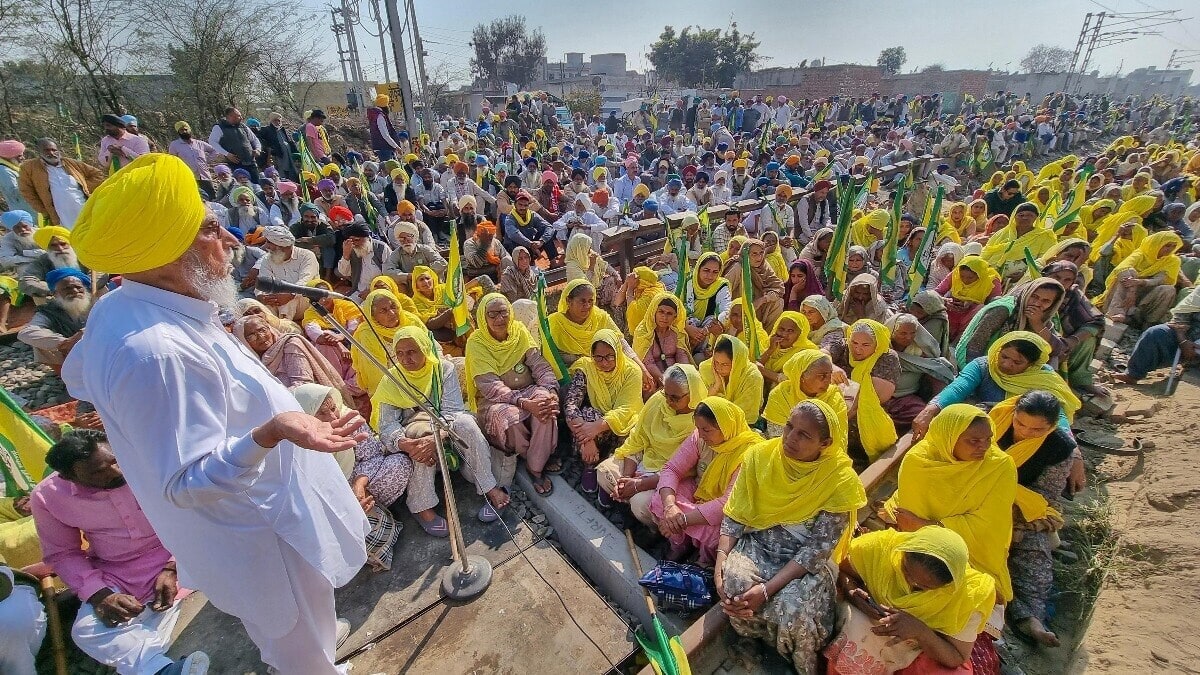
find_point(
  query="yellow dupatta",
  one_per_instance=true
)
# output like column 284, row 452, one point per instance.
column 1088, row 220
column 1033, row 506
column 781, row 356
column 1007, row 246
column 1107, row 229
column 1037, row 376
column 1055, row 251
column 876, row 429
column 862, row 231
column 343, row 311
column 757, row 327
column 740, row 240
column 385, row 281
column 576, row 338
column 648, row 286
column 979, row 291
column 878, row 557
column 369, row 375
column 428, row 307
column 427, row 379
column 659, row 430
column 643, row 333
column 774, row 489
column 485, row 354
column 701, row 295
column 1146, row 262
column 617, row 394
column 727, row 455
column 974, row 499
column 952, row 229
column 788, row 393
column 745, row 385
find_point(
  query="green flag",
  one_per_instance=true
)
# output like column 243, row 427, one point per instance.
column 923, row 260
column 550, row 351
column 887, row 267
column 749, row 320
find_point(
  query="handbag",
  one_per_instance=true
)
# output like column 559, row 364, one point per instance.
column 679, row 586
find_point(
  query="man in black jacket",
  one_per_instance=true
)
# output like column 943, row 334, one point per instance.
column 1004, row 199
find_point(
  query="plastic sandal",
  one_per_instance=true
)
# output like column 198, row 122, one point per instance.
column 438, row 527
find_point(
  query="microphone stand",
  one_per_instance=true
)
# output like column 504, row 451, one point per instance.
column 472, row 575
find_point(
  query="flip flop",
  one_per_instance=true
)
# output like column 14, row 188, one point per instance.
column 542, row 481
column 438, row 527
column 487, row 514
column 553, row 466
column 1110, row 445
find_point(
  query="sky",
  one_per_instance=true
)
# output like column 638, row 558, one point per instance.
column 954, row 33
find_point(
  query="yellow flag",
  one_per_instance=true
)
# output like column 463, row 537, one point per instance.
column 23, row 447
column 455, row 297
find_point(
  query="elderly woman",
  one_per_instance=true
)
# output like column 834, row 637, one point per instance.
column 518, row 281
column 383, row 316
column 631, row 474
column 575, row 323
column 827, row 330
column 288, row 356
column 1044, row 453
column 1081, row 325
column 787, row 523
column 707, row 297
column 431, row 382
column 788, row 338
column 863, row 301
column 923, row 369
column 945, row 261
column 695, row 483
column 1030, row 306
column 868, row 358
column 930, row 310
column 661, row 340
column 385, row 282
column 808, row 375
column 252, row 307
column 911, row 603
column 1142, row 287
column 584, row 262
column 971, row 285
column 1005, row 250
column 731, row 374
column 512, row 388
column 857, row 261
column 602, row 402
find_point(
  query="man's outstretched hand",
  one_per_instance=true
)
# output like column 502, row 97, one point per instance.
column 309, row 432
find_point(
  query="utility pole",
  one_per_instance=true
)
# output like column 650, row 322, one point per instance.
column 410, row 119
column 419, row 51
column 1122, row 27
column 337, row 35
column 387, row 77
column 350, row 18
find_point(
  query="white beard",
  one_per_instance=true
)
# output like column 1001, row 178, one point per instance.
column 76, row 308
column 25, row 243
column 279, row 257
column 364, row 251
column 239, row 255
column 218, row 288
column 65, row 259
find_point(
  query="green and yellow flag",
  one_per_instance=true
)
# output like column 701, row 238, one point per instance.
column 749, row 320
column 23, row 447
column 550, row 350
column 887, row 267
column 923, row 259
column 455, row 296
column 1069, row 210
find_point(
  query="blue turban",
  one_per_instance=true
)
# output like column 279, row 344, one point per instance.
column 601, row 160
column 650, row 205
column 763, row 181
column 674, row 183
column 237, row 233
column 584, row 154
column 772, row 166
column 600, row 128
column 402, row 134
column 11, row 218
column 481, row 160
column 56, row 275
column 129, row 120
column 253, row 123
column 568, row 150
column 241, row 172
column 502, row 166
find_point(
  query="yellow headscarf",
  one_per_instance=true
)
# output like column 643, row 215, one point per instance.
column 949, row 229
column 788, row 393
column 1146, row 262
column 643, row 333
column 1007, row 246
column 485, row 354
column 740, row 239
column 369, row 374
column 427, row 308
column 774, row 489
column 861, row 231
column 144, row 216
column 1033, row 505
column 974, row 499
column 1036, row 376
column 343, row 310
column 576, row 338
column 757, row 327
column 406, row 303
column 876, row 429
column 781, row 356
column 979, row 291
column 775, row 260
column 745, row 384
column 703, row 295
column 1107, row 229
column 878, row 558
column 579, row 248
column 648, row 285
column 727, row 455
column 427, row 379
column 1086, row 211
column 617, row 394
column 659, row 430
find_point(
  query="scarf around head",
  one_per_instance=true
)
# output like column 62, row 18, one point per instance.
column 648, row 286
column 487, row 355
column 618, row 393
column 1008, row 246
column 644, row 332
column 344, row 311
column 1146, row 262
column 876, row 429
column 576, row 338
column 781, row 355
column 659, row 430
column 745, row 383
column 1037, row 376
column 788, row 393
column 427, row 379
column 979, row 291
column 428, row 307
column 727, row 455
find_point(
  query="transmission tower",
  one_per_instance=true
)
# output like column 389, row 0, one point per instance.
column 1109, row 29
column 345, row 18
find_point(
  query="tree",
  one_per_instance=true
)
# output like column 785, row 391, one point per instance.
column 507, row 51
column 1045, row 58
column 584, row 100
column 441, row 80
column 891, row 60
column 697, row 57
column 933, row 68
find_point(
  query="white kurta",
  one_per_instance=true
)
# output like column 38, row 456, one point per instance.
column 179, row 398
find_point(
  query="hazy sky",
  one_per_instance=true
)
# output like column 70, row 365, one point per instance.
column 955, row 33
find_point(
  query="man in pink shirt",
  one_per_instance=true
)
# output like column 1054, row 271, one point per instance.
column 118, row 147
column 126, row 577
column 314, row 132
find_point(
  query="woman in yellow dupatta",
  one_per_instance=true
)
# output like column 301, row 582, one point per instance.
column 735, row 325
column 775, row 259
column 640, row 289
column 427, row 379
column 972, row 283
column 386, row 282
column 955, row 224
column 1027, row 428
column 730, row 373
column 794, row 500
column 661, row 340
column 631, row 474
column 1036, row 376
column 868, row 341
column 602, row 402
column 695, row 483
column 429, row 294
column 956, row 477
column 383, row 316
column 1143, row 285
column 733, row 249
column 808, row 374
column 1091, row 215
column 705, row 300
column 1006, row 248
column 926, row 574
column 868, row 229
column 788, row 338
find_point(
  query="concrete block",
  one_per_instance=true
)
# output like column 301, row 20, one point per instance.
column 596, row 546
column 1105, row 349
column 1114, row 331
column 1144, row 408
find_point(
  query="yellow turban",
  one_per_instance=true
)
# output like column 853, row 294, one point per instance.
column 410, row 158
column 641, row 189
column 144, row 216
column 330, row 169
column 43, row 235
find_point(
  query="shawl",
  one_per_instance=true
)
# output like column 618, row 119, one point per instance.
column 579, row 262
column 979, row 291
column 1013, row 304
column 616, row 393
column 485, row 354
column 876, row 429
column 812, row 281
column 373, row 336
column 524, row 283
column 745, row 384
column 1008, row 246
column 643, row 333
column 427, row 379
column 1033, row 506
column 875, row 308
column 974, row 499
column 727, row 455
column 702, row 296
column 322, row 372
column 862, row 231
column 648, row 286
column 1037, row 376
column 1146, row 262
column 576, row 338
column 811, row 251
column 925, row 353
column 428, row 307
column 659, row 430
column 825, row 308
column 782, row 354
column 788, row 393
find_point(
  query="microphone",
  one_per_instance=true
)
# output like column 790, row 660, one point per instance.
column 273, row 285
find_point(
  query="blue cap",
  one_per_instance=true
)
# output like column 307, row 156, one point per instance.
column 599, row 128
column 584, row 154
column 129, row 119
column 251, row 122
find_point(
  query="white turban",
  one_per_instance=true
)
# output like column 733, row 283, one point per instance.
column 405, row 227
column 278, row 235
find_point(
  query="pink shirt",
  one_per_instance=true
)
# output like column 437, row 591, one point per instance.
column 682, row 473
column 319, row 148
column 131, row 147
column 124, row 553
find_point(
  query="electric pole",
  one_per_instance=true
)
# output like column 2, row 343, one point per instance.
column 338, row 29
column 387, row 77
column 1120, row 28
column 410, row 119
column 419, row 51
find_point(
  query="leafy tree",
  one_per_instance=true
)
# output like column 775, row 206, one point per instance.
column 933, row 68
column 1045, row 58
column 891, row 60
column 507, row 51
column 585, row 101
column 704, row 56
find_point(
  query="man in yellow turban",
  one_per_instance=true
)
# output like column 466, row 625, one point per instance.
column 212, row 445
column 56, row 241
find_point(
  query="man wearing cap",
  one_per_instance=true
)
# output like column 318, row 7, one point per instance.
column 362, row 259
column 285, row 261
column 209, row 442
column 57, row 325
column 118, row 147
column 315, row 136
column 11, row 152
column 237, row 141
column 56, row 186
column 17, row 247
column 313, row 233
column 408, row 254
column 383, row 134
column 197, row 154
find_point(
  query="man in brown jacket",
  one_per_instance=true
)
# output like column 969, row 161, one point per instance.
column 56, row 186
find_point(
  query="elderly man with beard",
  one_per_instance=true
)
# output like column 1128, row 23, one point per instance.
column 211, row 445
column 58, row 324
column 56, row 186
column 359, row 199
column 483, row 254
column 17, row 248
column 363, row 259
column 406, row 212
column 245, row 212
column 287, row 207
column 409, row 254
column 56, row 241
column 314, row 233
column 245, row 263
column 285, row 261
